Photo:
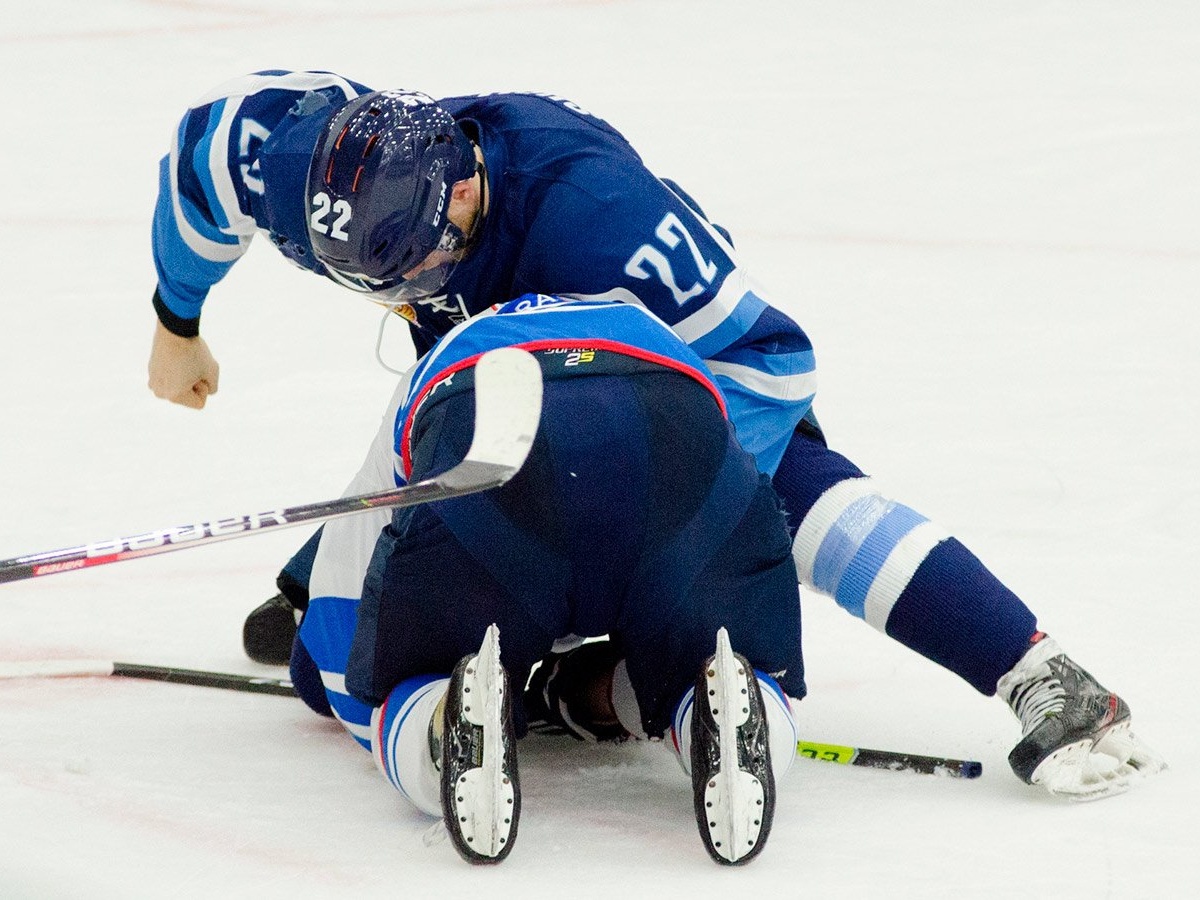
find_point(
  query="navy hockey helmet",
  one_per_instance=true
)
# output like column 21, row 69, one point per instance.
column 379, row 192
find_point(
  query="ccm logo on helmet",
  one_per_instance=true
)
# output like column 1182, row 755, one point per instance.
column 441, row 204
column 322, row 206
column 184, row 533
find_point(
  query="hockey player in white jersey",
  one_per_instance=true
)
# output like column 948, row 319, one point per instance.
column 424, row 623
column 441, row 209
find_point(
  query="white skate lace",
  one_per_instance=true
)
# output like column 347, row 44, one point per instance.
column 1038, row 699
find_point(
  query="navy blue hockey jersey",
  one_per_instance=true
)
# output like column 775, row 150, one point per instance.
column 573, row 211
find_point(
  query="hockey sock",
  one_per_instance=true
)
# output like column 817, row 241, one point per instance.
column 400, row 740
column 886, row 563
column 325, row 635
column 781, row 726
column 306, row 680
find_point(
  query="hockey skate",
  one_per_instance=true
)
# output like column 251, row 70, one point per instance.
column 1077, row 740
column 481, row 793
column 732, row 781
column 270, row 630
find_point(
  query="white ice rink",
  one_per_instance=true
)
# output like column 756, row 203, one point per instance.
column 986, row 216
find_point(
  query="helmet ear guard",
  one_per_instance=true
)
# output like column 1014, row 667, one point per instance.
column 379, row 187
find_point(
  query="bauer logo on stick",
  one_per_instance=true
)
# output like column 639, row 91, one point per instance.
column 183, row 533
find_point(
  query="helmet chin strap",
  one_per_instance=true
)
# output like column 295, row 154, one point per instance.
column 387, row 314
column 481, row 168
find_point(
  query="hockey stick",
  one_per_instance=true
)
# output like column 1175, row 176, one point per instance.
column 258, row 684
column 889, row 759
column 508, row 405
column 67, row 668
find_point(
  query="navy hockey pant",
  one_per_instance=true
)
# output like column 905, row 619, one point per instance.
column 637, row 515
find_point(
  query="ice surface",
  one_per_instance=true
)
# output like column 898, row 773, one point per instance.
column 987, row 217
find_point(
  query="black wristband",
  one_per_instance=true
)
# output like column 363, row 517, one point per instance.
column 186, row 328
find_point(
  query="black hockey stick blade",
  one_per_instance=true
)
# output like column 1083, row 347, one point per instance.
column 254, row 684
column 508, row 405
column 890, row 759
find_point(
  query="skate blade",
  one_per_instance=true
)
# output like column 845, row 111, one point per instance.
column 484, row 796
column 734, row 799
column 1129, row 750
column 1096, row 768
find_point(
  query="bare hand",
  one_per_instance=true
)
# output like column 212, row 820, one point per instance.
column 182, row 370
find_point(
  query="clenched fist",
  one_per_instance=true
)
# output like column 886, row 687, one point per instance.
column 182, row 370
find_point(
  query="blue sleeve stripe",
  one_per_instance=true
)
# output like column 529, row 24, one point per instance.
column 201, row 236
column 782, row 363
column 790, row 387
column 224, row 196
column 713, row 314
column 221, row 219
column 731, row 326
column 202, row 165
column 183, row 277
column 200, row 228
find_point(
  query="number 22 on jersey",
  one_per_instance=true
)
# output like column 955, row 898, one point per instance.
column 649, row 261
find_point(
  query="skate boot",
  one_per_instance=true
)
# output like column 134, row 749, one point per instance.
column 732, row 780
column 1077, row 740
column 481, row 793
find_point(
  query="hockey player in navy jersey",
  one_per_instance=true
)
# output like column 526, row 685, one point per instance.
column 602, row 532
column 441, row 209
